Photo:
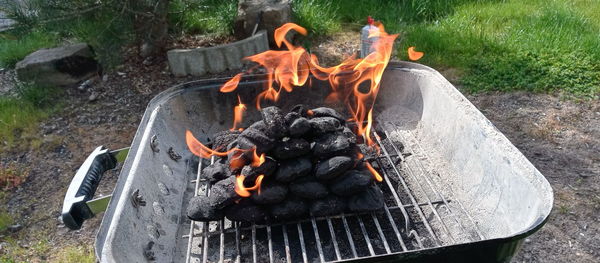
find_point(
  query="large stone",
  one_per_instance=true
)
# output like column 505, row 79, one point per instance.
column 62, row 66
column 273, row 14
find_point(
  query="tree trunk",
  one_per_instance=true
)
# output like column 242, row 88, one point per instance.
column 151, row 24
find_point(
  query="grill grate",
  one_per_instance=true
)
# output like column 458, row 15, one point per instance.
column 416, row 216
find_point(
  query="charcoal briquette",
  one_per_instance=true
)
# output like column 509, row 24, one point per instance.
column 309, row 189
column 255, row 135
column 349, row 134
column 223, row 138
column 330, row 205
column 332, row 144
column 267, row 168
column 352, row 182
column 299, row 127
column 223, row 193
column 270, row 193
column 291, row 148
column 291, row 117
column 321, row 125
column 328, row 112
column 291, row 169
column 300, row 109
column 217, row 171
column 369, row 200
column 333, row 167
column 291, row 208
column 246, row 211
column 273, row 119
column 200, row 209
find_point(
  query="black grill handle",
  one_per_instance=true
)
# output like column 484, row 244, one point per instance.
column 83, row 186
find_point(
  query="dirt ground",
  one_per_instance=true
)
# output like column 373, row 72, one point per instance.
column 559, row 136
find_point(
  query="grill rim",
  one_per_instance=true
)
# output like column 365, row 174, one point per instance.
column 503, row 247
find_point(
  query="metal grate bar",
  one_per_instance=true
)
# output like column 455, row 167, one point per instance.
column 254, row 259
column 349, row 235
column 440, row 196
column 420, row 187
column 408, row 192
column 367, row 239
column 288, row 256
column 378, row 230
column 338, row 256
column 318, row 239
column 385, row 243
column 302, row 246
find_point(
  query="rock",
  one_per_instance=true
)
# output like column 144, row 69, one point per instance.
column 369, row 200
column 291, row 208
column 274, row 13
column 223, row 193
column 200, row 209
column 93, row 97
column 62, row 66
column 322, row 125
column 333, row 167
column 14, row 228
column 292, row 169
column 299, row 127
column 270, row 193
column 350, row 183
column 332, row 144
column 291, row 148
column 309, row 189
column 328, row 112
column 330, row 205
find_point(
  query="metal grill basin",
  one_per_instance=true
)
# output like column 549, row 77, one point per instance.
column 455, row 187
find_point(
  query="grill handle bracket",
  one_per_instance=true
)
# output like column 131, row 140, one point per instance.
column 84, row 184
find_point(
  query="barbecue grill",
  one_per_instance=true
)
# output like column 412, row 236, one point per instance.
column 455, row 188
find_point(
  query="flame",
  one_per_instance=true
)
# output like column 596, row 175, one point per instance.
column 374, row 172
column 201, row 150
column 257, row 160
column 231, row 84
column 414, row 55
column 354, row 82
column 243, row 191
column 238, row 112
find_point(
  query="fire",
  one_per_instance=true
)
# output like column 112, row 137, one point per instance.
column 414, row 55
column 201, row 150
column 354, row 82
column 243, row 191
column 238, row 112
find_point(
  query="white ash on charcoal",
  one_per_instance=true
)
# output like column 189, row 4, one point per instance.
column 309, row 165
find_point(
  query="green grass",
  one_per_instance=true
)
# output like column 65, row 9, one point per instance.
column 203, row 16
column 19, row 116
column 5, row 220
column 534, row 45
column 517, row 45
column 14, row 46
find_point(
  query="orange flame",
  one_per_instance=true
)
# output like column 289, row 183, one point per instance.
column 374, row 172
column 201, row 150
column 231, row 84
column 414, row 55
column 257, row 160
column 238, row 112
column 243, row 191
column 354, row 82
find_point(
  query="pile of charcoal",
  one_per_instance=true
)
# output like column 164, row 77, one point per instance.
column 311, row 167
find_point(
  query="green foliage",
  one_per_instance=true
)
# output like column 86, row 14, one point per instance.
column 318, row 17
column 19, row 116
column 203, row 16
column 15, row 45
column 540, row 46
column 5, row 220
column 76, row 255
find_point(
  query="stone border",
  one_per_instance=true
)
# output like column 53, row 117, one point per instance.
column 199, row 61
